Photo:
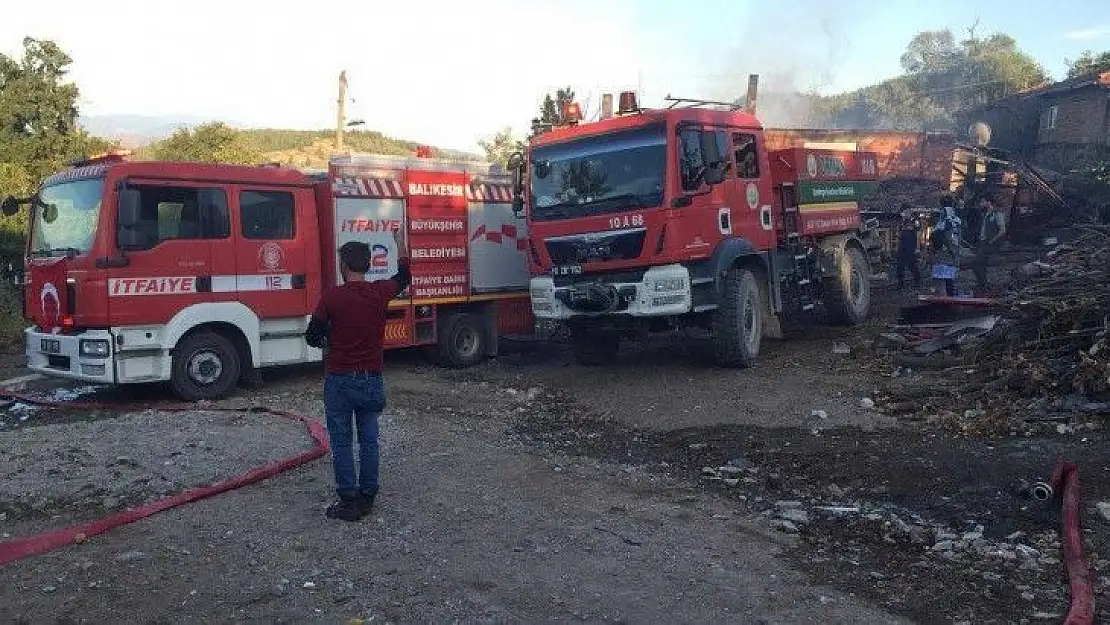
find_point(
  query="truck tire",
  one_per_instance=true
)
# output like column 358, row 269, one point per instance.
column 205, row 366
column 594, row 348
column 461, row 341
column 848, row 295
column 738, row 320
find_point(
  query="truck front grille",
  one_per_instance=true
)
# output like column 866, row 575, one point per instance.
column 577, row 249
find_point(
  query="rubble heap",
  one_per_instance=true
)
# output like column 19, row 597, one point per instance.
column 896, row 194
column 1049, row 353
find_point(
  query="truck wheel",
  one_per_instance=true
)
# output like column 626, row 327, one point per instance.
column 738, row 320
column 462, row 341
column 594, row 347
column 848, row 296
column 205, row 366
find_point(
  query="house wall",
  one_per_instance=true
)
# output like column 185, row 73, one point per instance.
column 1013, row 124
column 1080, row 132
column 1081, row 116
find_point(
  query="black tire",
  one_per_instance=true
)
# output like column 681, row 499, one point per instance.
column 593, row 348
column 462, row 341
column 738, row 320
column 848, row 295
column 205, row 366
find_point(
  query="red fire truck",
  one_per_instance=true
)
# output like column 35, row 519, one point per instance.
column 201, row 274
column 680, row 218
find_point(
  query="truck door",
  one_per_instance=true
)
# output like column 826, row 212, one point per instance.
column 169, row 256
column 752, row 189
column 269, row 260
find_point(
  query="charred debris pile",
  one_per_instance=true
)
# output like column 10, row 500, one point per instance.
column 1038, row 357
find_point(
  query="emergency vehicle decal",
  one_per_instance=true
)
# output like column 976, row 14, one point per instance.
column 176, row 285
column 271, row 256
column 437, row 228
column 396, row 331
column 51, row 303
column 506, row 233
column 367, row 187
column 489, row 193
column 165, row 285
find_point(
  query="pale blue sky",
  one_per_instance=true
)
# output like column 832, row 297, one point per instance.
column 449, row 72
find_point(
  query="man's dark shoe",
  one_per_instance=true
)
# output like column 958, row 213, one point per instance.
column 345, row 510
column 365, row 504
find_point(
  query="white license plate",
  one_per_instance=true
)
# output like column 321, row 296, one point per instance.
column 50, row 346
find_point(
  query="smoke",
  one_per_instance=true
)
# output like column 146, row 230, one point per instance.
column 796, row 51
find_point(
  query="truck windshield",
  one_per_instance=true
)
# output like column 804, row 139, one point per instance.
column 64, row 217
column 600, row 174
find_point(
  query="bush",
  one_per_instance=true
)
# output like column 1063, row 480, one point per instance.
column 11, row 316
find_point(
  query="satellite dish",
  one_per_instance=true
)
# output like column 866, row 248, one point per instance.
column 980, row 134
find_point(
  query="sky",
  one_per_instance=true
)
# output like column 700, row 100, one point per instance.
column 448, row 73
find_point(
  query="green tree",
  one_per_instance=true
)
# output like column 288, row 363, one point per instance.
column 214, row 142
column 501, row 146
column 38, row 129
column 942, row 76
column 38, row 117
column 1088, row 63
column 551, row 110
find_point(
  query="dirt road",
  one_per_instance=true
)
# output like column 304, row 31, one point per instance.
column 533, row 490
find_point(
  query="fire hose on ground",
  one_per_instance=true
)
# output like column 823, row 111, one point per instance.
column 1065, row 483
column 19, row 548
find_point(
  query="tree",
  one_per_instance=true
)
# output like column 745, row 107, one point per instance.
column 38, row 117
column 1088, row 63
column 551, row 111
column 501, row 146
column 214, row 142
column 942, row 76
column 930, row 51
column 38, row 130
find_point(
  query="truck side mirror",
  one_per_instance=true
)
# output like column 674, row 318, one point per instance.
column 130, row 235
column 516, row 166
column 712, row 157
column 10, row 205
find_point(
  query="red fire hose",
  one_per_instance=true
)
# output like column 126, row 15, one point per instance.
column 19, row 548
column 1065, row 480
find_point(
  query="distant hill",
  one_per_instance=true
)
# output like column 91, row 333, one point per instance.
column 137, row 130
column 295, row 148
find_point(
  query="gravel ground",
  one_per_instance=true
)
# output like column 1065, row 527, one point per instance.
column 77, row 471
column 533, row 490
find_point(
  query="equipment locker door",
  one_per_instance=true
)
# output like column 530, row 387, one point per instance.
column 269, row 231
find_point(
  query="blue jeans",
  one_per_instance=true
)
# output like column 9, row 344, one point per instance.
column 360, row 396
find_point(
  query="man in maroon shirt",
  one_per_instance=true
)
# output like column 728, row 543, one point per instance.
column 349, row 325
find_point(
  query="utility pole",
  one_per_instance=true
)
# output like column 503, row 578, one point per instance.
column 341, row 111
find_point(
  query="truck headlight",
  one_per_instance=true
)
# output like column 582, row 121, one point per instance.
column 94, row 348
column 664, row 285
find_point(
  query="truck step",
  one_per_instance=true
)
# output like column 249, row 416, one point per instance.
column 808, row 306
column 803, row 282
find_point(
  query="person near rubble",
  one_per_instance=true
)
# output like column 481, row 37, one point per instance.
column 349, row 325
column 907, row 251
column 991, row 235
column 948, row 227
column 946, row 245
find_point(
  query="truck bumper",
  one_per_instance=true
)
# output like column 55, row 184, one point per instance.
column 663, row 292
column 86, row 356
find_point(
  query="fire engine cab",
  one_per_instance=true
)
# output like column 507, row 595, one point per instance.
column 680, row 218
column 201, row 274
